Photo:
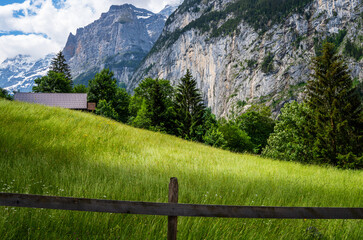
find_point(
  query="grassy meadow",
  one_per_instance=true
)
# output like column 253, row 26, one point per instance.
column 58, row 152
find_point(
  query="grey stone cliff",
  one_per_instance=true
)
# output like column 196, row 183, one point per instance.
column 228, row 69
column 119, row 40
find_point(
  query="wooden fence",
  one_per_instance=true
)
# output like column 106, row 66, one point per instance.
column 173, row 209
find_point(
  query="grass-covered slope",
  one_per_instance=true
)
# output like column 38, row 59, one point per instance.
column 60, row 152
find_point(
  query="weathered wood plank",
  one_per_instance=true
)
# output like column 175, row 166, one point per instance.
column 173, row 198
column 175, row 209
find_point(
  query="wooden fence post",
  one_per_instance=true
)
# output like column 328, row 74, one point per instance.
column 173, row 198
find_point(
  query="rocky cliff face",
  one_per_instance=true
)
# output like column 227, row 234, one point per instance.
column 19, row 73
column 250, row 65
column 119, row 40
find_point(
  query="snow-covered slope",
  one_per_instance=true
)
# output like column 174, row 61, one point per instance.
column 19, row 73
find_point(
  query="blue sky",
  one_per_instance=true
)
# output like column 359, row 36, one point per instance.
column 6, row 2
column 40, row 27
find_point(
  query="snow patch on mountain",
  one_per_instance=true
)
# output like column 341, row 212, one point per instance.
column 19, row 73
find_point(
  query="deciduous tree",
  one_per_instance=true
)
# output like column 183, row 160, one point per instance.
column 80, row 88
column 102, row 87
column 4, row 94
column 53, row 82
column 290, row 139
column 258, row 124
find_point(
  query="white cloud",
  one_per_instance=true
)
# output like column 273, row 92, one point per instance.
column 41, row 17
column 33, row 45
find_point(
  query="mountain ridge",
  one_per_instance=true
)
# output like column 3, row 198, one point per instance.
column 118, row 40
column 242, row 66
column 17, row 77
column 19, row 73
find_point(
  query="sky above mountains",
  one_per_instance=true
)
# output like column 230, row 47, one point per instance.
column 39, row 27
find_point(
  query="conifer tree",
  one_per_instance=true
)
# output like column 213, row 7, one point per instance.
column 59, row 65
column 157, row 95
column 58, row 78
column 336, row 111
column 157, row 105
column 189, row 107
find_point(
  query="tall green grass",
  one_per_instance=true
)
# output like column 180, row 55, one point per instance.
column 53, row 151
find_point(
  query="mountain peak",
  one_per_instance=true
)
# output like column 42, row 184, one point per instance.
column 169, row 9
column 119, row 40
column 123, row 6
column 130, row 7
column 18, row 73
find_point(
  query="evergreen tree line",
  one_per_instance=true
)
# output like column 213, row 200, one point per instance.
column 157, row 106
column 326, row 128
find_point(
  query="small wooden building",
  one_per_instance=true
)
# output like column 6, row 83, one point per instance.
column 77, row 101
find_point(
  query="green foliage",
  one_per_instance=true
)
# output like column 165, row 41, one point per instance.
column 298, row 40
column 56, row 152
column 264, row 13
column 143, row 118
column 4, row 94
column 160, row 105
column 59, row 65
column 350, row 160
column 211, row 134
column 289, row 141
column 102, row 87
column 189, row 108
column 80, row 88
column 353, row 50
column 236, row 139
column 259, row 14
column 327, row 128
column 53, row 82
column 267, row 65
column 214, row 137
column 157, row 97
column 336, row 39
column 121, row 104
column 105, row 109
column 336, row 110
column 251, row 63
column 258, row 125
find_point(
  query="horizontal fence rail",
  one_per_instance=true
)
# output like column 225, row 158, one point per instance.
column 176, row 209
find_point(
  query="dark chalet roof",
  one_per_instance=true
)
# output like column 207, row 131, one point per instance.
column 64, row 100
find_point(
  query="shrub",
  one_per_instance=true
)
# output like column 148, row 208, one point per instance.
column 105, row 109
column 258, row 126
column 4, row 94
column 267, row 64
column 80, row 88
column 289, row 139
column 236, row 139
